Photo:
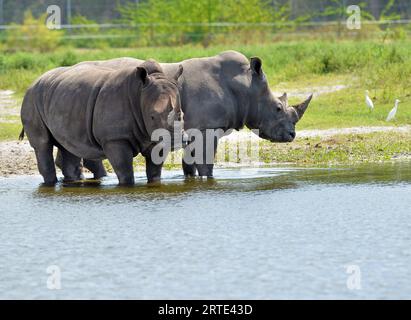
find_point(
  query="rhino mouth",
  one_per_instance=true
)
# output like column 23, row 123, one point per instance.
column 266, row 137
column 285, row 138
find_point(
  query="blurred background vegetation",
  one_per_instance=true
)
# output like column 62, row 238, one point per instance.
column 136, row 23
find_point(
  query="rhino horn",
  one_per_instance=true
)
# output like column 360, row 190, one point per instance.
column 302, row 107
column 176, row 114
column 284, row 99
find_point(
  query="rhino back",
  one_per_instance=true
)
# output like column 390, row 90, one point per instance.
column 214, row 90
column 118, row 114
column 67, row 100
column 69, row 107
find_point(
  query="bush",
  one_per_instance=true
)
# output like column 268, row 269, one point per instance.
column 33, row 34
column 86, row 37
column 22, row 61
column 171, row 22
column 2, row 63
column 69, row 58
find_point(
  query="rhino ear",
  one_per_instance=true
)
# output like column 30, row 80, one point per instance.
column 142, row 74
column 179, row 72
column 284, row 99
column 256, row 65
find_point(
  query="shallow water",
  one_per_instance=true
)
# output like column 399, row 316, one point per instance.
column 250, row 233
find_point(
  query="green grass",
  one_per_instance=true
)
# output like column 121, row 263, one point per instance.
column 347, row 108
column 340, row 149
column 376, row 65
column 9, row 131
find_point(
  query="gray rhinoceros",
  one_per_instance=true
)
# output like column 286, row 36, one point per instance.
column 93, row 112
column 225, row 92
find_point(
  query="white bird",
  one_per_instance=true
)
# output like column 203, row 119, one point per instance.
column 393, row 112
column 368, row 101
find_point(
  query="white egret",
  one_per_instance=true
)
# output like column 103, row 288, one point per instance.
column 368, row 101
column 393, row 112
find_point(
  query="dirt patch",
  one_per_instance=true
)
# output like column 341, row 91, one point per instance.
column 402, row 156
column 17, row 158
column 323, row 133
column 354, row 130
column 305, row 92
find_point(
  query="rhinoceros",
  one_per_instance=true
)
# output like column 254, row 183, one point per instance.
column 226, row 91
column 94, row 112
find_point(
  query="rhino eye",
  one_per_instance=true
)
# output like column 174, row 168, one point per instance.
column 279, row 109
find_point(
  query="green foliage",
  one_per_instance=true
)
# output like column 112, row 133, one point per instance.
column 183, row 21
column 69, row 58
column 32, row 34
column 388, row 13
column 9, row 131
column 22, row 61
column 2, row 63
column 339, row 149
column 87, row 36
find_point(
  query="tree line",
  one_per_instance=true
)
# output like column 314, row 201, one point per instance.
column 12, row 11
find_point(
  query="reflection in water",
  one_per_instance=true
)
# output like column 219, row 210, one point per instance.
column 174, row 184
column 235, row 180
column 249, row 233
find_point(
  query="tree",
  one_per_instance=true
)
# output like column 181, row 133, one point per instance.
column 32, row 34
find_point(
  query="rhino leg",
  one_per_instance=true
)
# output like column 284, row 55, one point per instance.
column 71, row 166
column 40, row 139
column 96, row 167
column 59, row 160
column 205, row 168
column 120, row 155
column 153, row 170
column 45, row 163
column 189, row 169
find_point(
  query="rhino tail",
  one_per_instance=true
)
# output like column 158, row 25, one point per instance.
column 21, row 136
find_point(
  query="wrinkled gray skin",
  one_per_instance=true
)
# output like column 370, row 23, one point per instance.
column 227, row 92
column 93, row 112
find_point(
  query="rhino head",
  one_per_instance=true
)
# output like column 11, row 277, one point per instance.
column 272, row 116
column 160, row 97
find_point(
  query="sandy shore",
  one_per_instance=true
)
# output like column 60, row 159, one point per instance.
column 17, row 158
